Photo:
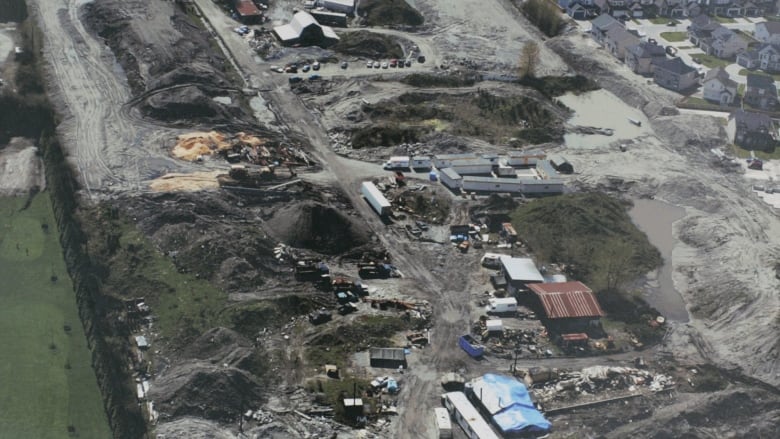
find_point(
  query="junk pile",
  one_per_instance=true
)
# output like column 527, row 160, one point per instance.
column 241, row 147
column 600, row 379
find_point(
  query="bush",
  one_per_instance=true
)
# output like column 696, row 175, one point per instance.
column 544, row 15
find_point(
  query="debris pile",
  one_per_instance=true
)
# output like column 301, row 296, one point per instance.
column 601, row 379
column 240, row 147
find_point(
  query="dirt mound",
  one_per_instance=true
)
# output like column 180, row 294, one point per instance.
column 193, row 428
column 190, row 103
column 318, row 227
column 218, row 345
column 389, row 12
column 197, row 72
column 207, row 391
column 369, row 44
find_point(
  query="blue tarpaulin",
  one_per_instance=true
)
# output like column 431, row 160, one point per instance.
column 509, row 403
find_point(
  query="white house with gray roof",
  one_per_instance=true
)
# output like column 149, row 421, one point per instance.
column 718, row 87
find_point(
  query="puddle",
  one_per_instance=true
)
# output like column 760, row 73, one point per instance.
column 655, row 218
column 602, row 109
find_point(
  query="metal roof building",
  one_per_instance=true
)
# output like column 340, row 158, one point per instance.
column 519, row 272
column 563, row 300
column 304, row 29
column 387, row 357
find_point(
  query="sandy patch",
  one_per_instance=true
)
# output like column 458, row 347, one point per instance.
column 175, row 182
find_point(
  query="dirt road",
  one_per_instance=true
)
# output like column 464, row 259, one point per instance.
column 110, row 151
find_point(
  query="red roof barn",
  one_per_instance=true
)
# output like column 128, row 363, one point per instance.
column 568, row 306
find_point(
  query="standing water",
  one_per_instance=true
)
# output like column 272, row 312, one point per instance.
column 656, row 218
column 602, row 109
column 49, row 386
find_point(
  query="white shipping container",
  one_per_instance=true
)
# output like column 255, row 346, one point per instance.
column 397, row 162
column 450, row 178
column 421, row 162
column 375, row 198
column 443, row 422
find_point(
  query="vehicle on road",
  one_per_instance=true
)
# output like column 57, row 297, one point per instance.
column 369, row 64
column 315, row 65
column 344, row 64
column 671, row 23
column 652, row 41
column 408, row 63
column 305, row 68
column 671, row 50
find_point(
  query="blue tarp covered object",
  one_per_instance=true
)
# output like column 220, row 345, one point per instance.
column 509, row 403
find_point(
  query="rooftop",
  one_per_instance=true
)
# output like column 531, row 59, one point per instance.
column 752, row 121
column 449, row 172
column 760, row 81
column 522, row 269
column 563, row 300
column 387, row 354
column 674, row 65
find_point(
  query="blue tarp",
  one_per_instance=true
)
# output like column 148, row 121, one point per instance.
column 517, row 412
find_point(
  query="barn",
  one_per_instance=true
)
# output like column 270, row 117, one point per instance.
column 568, row 307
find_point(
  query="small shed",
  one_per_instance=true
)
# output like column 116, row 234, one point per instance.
column 391, row 358
column 561, row 164
column 141, row 342
column 353, row 407
column 495, row 325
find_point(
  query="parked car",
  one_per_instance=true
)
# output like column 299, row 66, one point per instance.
column 242, row 30
column 305, row 68
column 344, row 64
column 315, row 77
column 421, row 59
column 393, row 62
column 291, row 69
column 384, row 65
column 315, row 65
column 671, row 50
column 401, row 64
column 408, row 63
column 671, row 23
column 376, row 64
column 652, row 41
column 295, row 79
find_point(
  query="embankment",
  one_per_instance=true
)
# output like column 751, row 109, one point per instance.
column 107, row 341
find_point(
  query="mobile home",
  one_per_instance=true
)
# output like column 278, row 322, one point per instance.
column 490, row 184
column 450, row 178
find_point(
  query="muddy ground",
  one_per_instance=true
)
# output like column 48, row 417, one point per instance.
column 128, row 77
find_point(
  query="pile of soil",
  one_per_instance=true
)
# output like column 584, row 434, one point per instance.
column 389, row 12
column 218, row 345
column 318, row 227
column 369, row 45
column 206, row 391
column 190, row 104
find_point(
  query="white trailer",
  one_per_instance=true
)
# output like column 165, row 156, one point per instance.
column 450, row 178
column 491, row 184
column 443, row 423
column 506, row 171
column 542, row 186
column 375, row 198
column 501, row 305
column 397, row 162
column 445, row 160
column 421, row 162
column 469, row 419
column 524, row 158
column 472, row 166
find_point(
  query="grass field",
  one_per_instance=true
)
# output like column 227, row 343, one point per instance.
column 674, row 37
column 48, row 381
column 744, row 72
column 711, row 61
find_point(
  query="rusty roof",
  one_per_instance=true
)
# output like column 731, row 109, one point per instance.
column 246, row 8
column 563, row 300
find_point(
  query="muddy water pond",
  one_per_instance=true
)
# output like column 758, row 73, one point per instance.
column 49, row 389
column 602, row 109
column 656, row 219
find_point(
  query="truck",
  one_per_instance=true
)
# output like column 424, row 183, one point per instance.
column 397, row 162
column 501, row 305
column 471, row 346
column 375, row 198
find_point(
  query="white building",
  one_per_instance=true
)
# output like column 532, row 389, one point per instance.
column 472, row 166
column 533, row 186
column 519, row 272
column 491, row 184
column 304, row 30
column 450, row 178
column 446, row 160
column 718, row 87
column 524, row 158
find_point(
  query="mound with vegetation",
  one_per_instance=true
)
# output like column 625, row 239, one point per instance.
column 368, row 44
column 389, row 12
column 592, row 234
column 483, row 115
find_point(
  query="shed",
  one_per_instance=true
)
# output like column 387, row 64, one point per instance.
column 519, row 272
column 568, row 307
column 391, row 358
column 491, row 184
column 421, row 162
column 560, row 164
column 450, row 178
column 353, row 407
column 247, row 11
column 141, row 342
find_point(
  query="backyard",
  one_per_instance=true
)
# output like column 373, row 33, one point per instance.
column 674, row 37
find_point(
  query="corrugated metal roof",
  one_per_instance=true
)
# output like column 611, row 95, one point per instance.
column 471, row 162
column 246, row 8
column 567, row 300
column 450, row 173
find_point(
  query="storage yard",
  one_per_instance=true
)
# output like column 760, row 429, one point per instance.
column 358, row 219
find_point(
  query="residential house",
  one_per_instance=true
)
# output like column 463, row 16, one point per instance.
column 576, row 11
column 752, row 130
column 718, row 87
column 718, row 7
column 748, row 59
column 601, row 24
column 640, row 57
column 768, row 32
column 693, row 9
column 674, row 74
column 701, row 27
column 636, row 10
column 670, row 8
column 751, row 9
column 618, row 39
column 769, row 58
column 760, row 91
column 723, row 43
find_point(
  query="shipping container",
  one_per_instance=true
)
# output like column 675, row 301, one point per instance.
column 375, row 198
column 490, row 184
column 421, row 162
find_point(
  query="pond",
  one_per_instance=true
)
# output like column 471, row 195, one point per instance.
column 656, row 219
column 49, row 386
column 602, row 109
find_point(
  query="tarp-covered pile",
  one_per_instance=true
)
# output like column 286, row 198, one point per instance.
column 510, row 405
